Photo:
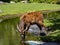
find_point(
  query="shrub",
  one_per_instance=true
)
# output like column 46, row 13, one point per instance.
column 52, row 37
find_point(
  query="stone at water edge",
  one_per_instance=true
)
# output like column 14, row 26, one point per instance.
column 12, row 2
column 1, row 2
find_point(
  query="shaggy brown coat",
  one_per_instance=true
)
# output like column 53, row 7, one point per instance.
column 30, row 18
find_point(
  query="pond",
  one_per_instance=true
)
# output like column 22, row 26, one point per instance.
column 34, row 31
column 41, row 43
column 9, row 34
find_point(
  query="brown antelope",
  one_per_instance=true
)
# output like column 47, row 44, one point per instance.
column 31, row 18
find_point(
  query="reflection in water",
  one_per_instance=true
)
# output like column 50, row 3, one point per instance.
column 41, row 43
column 10, row 36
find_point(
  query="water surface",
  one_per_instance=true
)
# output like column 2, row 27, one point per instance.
column 42, row 43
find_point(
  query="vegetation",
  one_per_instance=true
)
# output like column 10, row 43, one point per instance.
column 18, row 8
column 36, row 1
column 9, row 34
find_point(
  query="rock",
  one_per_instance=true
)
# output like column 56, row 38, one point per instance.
column 23, row 1
column 1, row 2
column 12, row 2
column 34, row 30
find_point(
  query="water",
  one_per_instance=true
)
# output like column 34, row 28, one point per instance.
column 34, row 30
column 41, row 43
column 8, row 33
column 10, row 36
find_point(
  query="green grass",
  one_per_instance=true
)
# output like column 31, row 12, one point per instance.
column 8, row 30
column 18, row 8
